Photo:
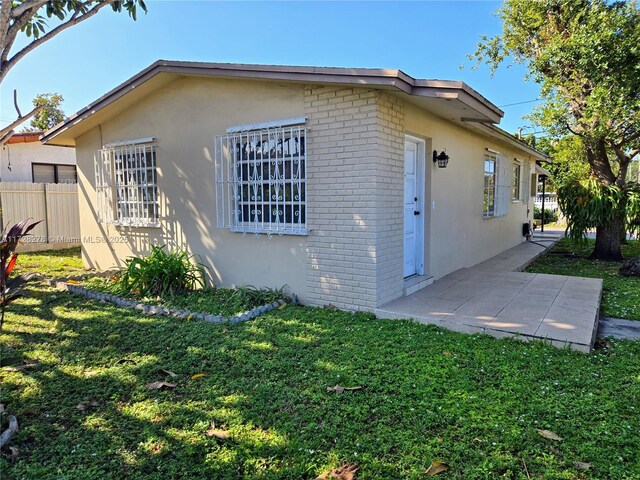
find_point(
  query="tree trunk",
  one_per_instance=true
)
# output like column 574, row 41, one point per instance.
column 608, row 244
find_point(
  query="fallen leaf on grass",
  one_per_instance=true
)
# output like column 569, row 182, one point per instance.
column 582, row 465
column 217, row 433
column 125, row 360
column 447, row 354
column 14, row 453
column 73, row 282
column 160, row 385
column 548, row 434
column 339, row 389
column 197, row 375
column 435, row 468
column 83, row 406
column 168, row 372
column 346, row 471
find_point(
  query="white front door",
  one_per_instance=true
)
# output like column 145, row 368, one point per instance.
column 412, row 212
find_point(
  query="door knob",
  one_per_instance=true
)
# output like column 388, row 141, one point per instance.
column 416, row 212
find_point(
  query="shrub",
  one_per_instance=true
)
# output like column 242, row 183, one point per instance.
column 161, row 273
column 549, row 215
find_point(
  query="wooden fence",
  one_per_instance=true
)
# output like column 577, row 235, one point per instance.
column 56, row 204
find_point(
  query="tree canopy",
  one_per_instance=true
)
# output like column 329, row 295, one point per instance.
column 50, row 114
column 38, row 21
column 585, row 54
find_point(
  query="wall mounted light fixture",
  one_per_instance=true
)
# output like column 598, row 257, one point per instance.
column 442, row 159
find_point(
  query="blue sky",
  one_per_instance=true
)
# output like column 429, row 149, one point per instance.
column 425, row 39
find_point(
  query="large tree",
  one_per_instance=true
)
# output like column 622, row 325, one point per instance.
column 585, row 54
column 39, row 21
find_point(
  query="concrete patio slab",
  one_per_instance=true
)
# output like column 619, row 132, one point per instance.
column 495, row 297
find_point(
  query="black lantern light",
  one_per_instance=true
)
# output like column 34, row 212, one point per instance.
column 442, row 159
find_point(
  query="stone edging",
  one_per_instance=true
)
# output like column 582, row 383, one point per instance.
column 177, row 313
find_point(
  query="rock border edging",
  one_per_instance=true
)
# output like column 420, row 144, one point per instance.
column 169, row 312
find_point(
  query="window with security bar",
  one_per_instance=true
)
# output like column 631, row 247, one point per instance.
column 261, row 181
column 126, row 185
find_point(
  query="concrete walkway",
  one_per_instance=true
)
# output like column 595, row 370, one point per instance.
column 495, row 298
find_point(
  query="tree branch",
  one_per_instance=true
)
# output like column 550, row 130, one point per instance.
column 23, row 7
column 15, row 102
column 5, row 15
column 18, row 121
column 13, row 30
column 74, row 20
column 630, row 138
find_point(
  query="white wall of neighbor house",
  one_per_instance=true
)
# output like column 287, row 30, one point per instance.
column 184, row 116
column 459, row 235
column 16, row 159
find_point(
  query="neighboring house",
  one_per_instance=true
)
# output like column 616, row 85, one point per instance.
column 322, row 179
column 24, row 159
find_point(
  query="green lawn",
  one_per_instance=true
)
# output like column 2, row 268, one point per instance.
column 620, row 296
column 428, row 394
column 51, row 263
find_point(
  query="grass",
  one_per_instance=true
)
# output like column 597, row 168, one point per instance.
column 429, row 394
column 51, row 263
column 620, row 296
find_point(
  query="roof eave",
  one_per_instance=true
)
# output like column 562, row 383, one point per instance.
column 394, row 79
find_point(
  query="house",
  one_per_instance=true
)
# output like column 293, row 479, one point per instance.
column 352, row 187
column 24, row 159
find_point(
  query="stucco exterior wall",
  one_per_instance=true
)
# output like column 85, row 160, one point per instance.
column 458, row 234
column 22, row 155
column 353, row 254
column 184, row 116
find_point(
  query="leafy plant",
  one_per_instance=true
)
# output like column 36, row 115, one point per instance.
column 587, row 204
column 10, row 288
column 549, row 215
column 250, row 295
column 161, row 273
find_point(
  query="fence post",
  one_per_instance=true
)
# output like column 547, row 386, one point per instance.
column 46, row 213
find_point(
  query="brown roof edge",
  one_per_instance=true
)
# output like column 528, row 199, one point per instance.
column 339, row 75
column 24, row 137
column 498, row 132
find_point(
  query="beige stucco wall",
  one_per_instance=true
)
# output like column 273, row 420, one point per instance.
column 353, row 254
column 184, row 116
column 22, row 155
column 458, row 234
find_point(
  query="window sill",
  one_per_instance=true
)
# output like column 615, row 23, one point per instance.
column 267, row 231
column 136, row 225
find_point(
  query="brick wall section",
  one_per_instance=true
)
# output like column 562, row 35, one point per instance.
column 390, row 207
column 354, row 172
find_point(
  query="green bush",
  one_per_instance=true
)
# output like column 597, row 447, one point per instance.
column 161, row 273
column 549, row 215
